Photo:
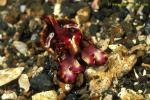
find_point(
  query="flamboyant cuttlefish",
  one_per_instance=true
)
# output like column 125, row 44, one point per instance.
column 65, row 39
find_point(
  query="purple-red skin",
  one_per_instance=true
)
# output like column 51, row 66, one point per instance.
column 68, row 39
column 93, row 56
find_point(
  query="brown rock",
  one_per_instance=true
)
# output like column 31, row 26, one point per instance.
column 83, row 15
column 96, row 4
column 3, row 2
column 128, row 94
column 100, row 84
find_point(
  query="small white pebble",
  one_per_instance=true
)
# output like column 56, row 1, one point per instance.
column 34, row 37
column 94, row 40
column 144, row 72
column 57, row 9
column 148, row 40
column 134, row 23
column 117, row 19
column 2, row 60
column 46, row 1
column 128, row 18
column 136, row 75
column 140, row 91
column 136, row 83
column 22, row 8
column 18, row 54
column 0, row 36
column 116, row 39
column 141, row 17
column 140, row 10
column 139, row 27
column 124, row 1
column 134, row 41
column 68, row 87
column 97, row 21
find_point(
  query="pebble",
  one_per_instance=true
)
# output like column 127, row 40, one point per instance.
column 130, row 6
column 114, row 47
column 34, row 37
column 41, row 82
column 57, row 9
column 12, row 15
column 90, row 72
column 139, row 27
column 80, row 80
column 128, row 94
column 68, row 87
column 147, row 96
column 22, row 8
column 21, row 47
column 86, row 97
column 9, row 74
column 146, row 59
column 3, row 2
column 35, row 10
column 34, row 24
column 138, row 47
column 141, row 37
column 46, row 95
column 71, row 97
column 35, row 71
column 108, row 97
column 148, row 40
column 63, row 87
column 9, row 95
column 2, row 61
column 128, row 18
column 104, row 44
column 147, row 28
column 24, row 82
column 83, row 15
column 96, row 4
column 93, row 29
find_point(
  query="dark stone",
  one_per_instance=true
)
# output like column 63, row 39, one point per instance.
column 128, row 80
column 31, row 61
column 10, row 31
column 143, row 83
column 94, row 29
column 41, row 82
column 147, row 28
column 70, row 9
column 48, row 8
column 105, row 3
column 116, row 1
column 3, row 25
column 50, row 63
column 102, row 14
column 146, row 59
column 71, row 97
column 146, row 9
column 123, row 13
